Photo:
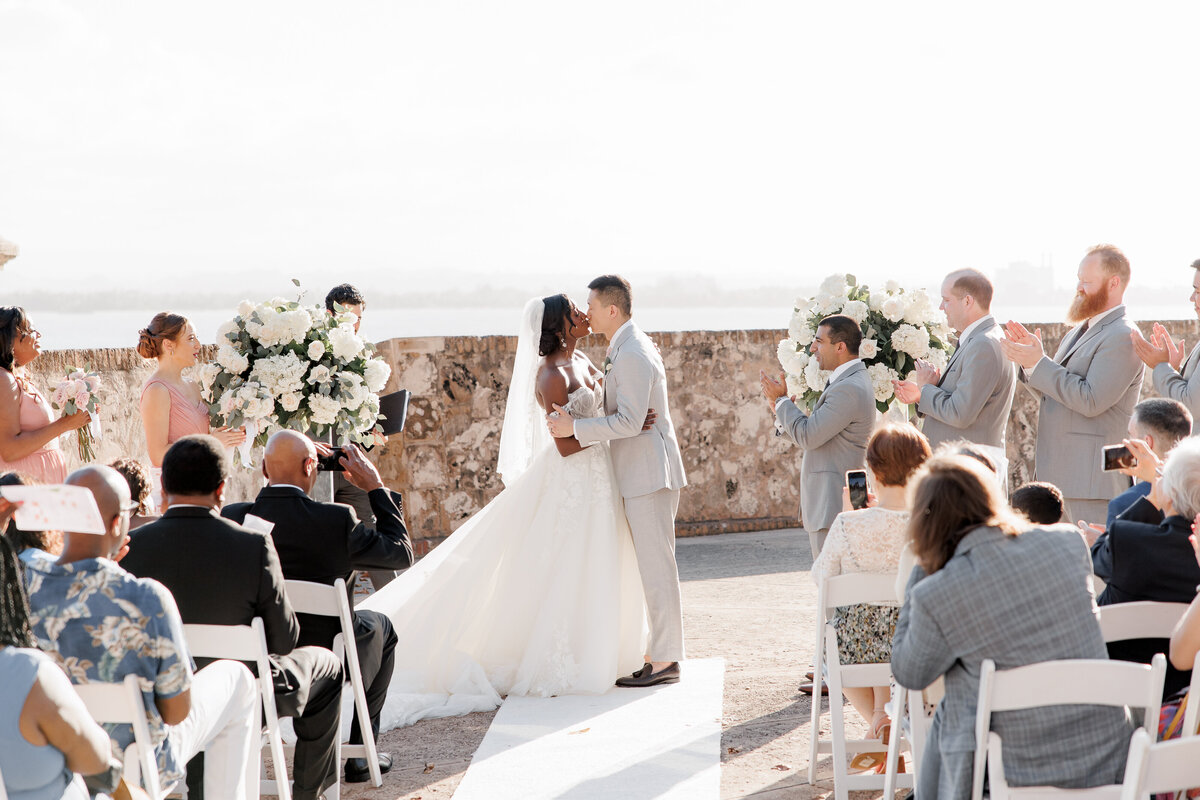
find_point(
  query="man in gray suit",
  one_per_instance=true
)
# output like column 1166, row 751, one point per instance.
column 1088, row 390
column 1175, row 377
column 971, row 399
column 834, row 436
column 648, row 465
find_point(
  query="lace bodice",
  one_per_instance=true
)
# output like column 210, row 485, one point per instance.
column 867, row 540
column 584, row 403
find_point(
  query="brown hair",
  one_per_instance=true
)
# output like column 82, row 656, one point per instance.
column 953, row 496
column 895, row 452
column 138, row 477
column 974, row 283
column 13, row 323
column 164, row 326
column 1112, row 261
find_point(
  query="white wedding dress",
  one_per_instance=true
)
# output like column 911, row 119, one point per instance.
column 537, row 594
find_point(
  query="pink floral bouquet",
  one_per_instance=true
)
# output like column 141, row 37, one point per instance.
column 80, row 392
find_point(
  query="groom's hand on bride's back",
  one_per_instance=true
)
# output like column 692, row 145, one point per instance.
column 651, row 418
column 360, row 471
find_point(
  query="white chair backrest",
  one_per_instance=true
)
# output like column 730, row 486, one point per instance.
column 1064, row 682
column 857, row 587
column 122, row 703
column 1192, row 709
column 1163, row 767
column 1141, row 620
column 3, row 791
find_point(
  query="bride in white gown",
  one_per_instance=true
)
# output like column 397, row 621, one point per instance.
column 539, row 592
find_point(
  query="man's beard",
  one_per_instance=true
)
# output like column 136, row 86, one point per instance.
column 1086, row 306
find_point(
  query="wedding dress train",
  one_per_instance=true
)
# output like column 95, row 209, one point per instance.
column 537, row 594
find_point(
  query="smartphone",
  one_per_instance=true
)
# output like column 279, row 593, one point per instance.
column 331, row 462
column 856, row 481
column 1116, row 456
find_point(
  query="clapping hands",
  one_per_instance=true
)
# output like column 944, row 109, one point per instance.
column 1021, row 346
column 1159, row 349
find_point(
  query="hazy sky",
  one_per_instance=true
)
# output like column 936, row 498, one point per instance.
column 150, row 144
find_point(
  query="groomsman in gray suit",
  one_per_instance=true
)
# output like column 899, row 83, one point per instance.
column 834, row 436
column 1088, row 390
column 971, row 399
column 1175, row 377
column 648, row 465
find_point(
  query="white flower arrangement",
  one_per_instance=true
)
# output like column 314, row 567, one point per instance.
column 899, row 326
column 280, row 365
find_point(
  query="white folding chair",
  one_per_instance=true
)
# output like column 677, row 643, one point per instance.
column 907, row 705
column 1050, row 683
column 332, row 601
column 3, row 791
column 1141, row 620
column 845, row 590
column 247, row 643
column 122, row 703
column 1163, row 767
column 1193, row 702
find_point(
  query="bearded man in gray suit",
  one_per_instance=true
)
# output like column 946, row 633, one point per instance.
column 648, row 465
column 1175, row 377
column 1088, row 390
column 834, row 436
column 971, row 399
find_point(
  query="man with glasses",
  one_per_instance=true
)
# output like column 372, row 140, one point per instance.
column 101, row 624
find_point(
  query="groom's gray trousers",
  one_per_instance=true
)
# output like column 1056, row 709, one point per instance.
column 652, row 522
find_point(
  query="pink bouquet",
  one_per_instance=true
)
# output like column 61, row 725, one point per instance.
column 80, row 392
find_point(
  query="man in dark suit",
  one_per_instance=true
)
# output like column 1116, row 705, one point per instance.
column 1161, row 424
column 322, row 542
column 1146, row 554
column 223, row 574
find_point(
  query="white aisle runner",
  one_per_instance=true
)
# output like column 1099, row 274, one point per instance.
column 627, row 744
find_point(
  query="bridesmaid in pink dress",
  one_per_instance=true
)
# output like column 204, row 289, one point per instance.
column 28, row 430
column 171, row 405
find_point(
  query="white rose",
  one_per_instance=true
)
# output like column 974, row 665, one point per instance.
column 320, row 374
column 233, row 361
column 245, row 308
column 316, row 349
column 814, row 376
column 376, row 374
column 290, row 401
column 893, row 308
column 868, row 349
column 856, row 310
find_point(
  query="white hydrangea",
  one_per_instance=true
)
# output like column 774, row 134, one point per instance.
column 232, row 361
column 792, row 361
column 868, row 349
column 205, row 376
column 891, row 287
column 919, row 309
column 834, row 284
column 796, row 387
column 290, row 401
column 799, row 331
column 893, row 308
column 345, row 343
column 938, row 358
column 245, row 308
column 376, row 374
column 827, row 304
column 856, row 310
column 881, row 377
column 912, row 340
column 280, row 374
column 320, row 375
column 279, row 327
column 324, row 409
column 354, row 390
column 228, row 330
column 814, row 376
column 876, row 300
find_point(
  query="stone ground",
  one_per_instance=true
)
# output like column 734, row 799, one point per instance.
column 747, row 598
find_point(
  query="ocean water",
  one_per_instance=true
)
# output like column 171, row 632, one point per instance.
column 118, row 328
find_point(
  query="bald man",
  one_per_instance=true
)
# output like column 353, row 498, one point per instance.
column 90, row 614
column 322, row 542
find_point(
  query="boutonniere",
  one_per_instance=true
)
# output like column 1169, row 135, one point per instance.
column 607, row 365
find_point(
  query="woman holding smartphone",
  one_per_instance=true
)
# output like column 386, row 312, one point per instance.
column 870, row 540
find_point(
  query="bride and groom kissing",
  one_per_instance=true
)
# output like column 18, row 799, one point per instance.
column 547, row 590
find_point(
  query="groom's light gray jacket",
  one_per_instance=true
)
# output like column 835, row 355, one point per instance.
column 975, row 394
column 635, row 381
column 834, row 437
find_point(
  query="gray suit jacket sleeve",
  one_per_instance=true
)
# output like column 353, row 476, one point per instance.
column 975, row 385
column 920, row 653
column 633, row 377
column 826, row 421
column 1170, row 383
column 1112, row 370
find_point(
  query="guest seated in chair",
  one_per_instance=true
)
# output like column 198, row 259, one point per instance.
column 223, row 574
column 322, row 542
column 1040, row 502
column 988, row 585
column 100, row 623
column 1160, row 423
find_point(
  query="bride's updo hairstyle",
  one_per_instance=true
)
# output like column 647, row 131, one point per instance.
column 164, row 326
column 556, row 309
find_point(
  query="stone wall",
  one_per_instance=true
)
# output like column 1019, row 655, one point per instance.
column 741, row 476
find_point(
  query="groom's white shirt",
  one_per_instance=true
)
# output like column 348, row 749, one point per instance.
column 636, row 381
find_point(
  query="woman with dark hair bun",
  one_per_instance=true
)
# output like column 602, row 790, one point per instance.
column 28, row 430
column 171, row 404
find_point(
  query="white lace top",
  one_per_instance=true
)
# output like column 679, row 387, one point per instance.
column 866, row 540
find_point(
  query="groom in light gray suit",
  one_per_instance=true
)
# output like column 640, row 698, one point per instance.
column 1088, row 390
column 972, row 397
column 648, row 465
column 834, row 436
column 1175, row 377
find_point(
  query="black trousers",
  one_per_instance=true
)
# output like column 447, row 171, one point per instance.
column 376, row 640
column 348, row 494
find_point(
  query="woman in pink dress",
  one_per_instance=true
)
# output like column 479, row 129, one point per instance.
column 28, row 430
column 171, row 405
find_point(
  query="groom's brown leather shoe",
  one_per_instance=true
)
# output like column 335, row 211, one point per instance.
column 645, row 677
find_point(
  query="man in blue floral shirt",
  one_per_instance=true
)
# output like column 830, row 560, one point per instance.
column 101, row 624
